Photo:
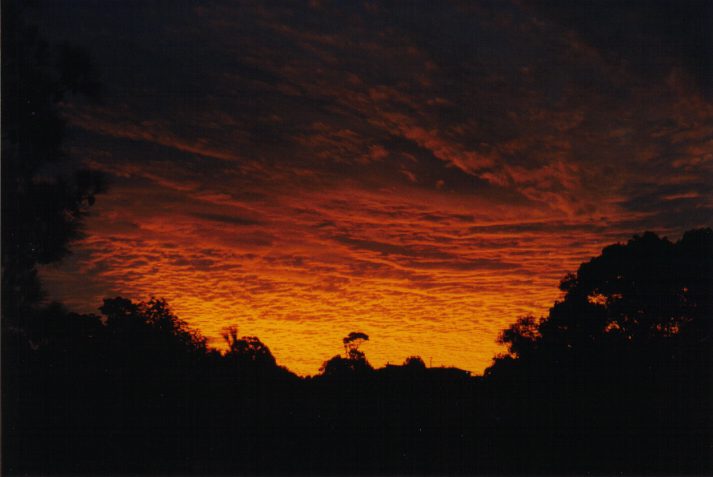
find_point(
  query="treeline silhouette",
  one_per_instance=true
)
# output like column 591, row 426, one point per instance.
column 616, row 378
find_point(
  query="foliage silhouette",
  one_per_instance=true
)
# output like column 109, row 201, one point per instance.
column 414, row 362
column 648, row 294
column 353, row 340
column 615, row 379
column 354, row 362
column 629, row 346
column 135, row 390
column 44, row 195
column 248, row 349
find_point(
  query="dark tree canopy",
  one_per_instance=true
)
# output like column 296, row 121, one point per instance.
column 151, row 321
column 642, row 295
column 247, row 350
column 353, row 362
column 355, row 338
column 414, row 362
column 45, row 196
column 616, row 379
column 351, row 346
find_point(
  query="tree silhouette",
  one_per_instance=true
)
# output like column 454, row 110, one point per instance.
column 414, row 362
column 247, row 351
column 44, row 196
column 351, row 345
column 648, row 291
column 630, row 343
column 354, row 360
column 616, row 379
column 522, row 336
column 153, row 321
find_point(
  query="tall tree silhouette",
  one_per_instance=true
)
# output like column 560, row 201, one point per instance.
column 354, row 360
column 351, row 345
column 44, row 196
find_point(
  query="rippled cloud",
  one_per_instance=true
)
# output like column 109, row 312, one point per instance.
column 423, row 173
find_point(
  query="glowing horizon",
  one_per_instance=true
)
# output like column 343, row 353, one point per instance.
column 425, row 174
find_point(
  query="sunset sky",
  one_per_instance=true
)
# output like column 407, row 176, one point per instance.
column 424, row 172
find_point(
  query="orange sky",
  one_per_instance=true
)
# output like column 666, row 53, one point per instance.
column 425, row 175
column 419, row 277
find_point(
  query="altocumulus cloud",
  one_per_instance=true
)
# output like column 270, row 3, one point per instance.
column 425, row 173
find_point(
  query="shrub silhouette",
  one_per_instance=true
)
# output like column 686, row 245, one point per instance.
column 414, row 362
